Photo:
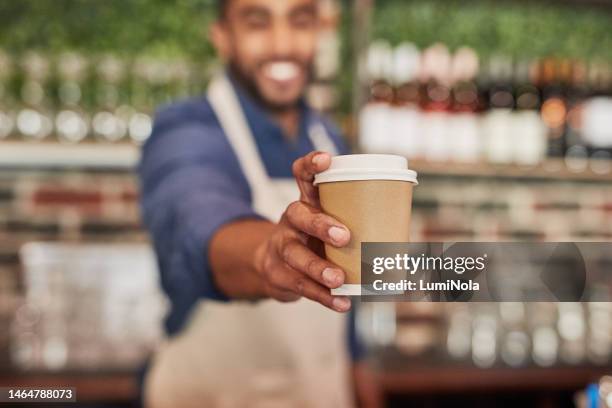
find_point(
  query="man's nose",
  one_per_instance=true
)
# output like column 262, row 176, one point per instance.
column 281, row 43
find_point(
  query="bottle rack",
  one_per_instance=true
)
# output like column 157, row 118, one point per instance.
column 554, row 199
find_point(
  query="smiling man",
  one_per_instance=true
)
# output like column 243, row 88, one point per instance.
column 227, row 195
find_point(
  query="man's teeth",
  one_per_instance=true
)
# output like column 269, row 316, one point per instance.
column 281, row 71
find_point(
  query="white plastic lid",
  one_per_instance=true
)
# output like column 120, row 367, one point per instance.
column 354, row 167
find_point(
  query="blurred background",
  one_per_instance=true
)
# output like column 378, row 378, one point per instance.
column 504, row 108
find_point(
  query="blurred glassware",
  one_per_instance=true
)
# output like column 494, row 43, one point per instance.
column 497, row 123
column 7, row 114
column 436, row 77
column 465, row 144
column 377, row 323
column 34, row 119
column 439, row 106
column 108, row 98
column 404, row 115
column 87, row 307
column 599, row 341
column 545, row 339
column 150, row 86
column 485, row 332
column 459, row 333
column 571, row 326
column 71, row 121
column 374, row 125
column 515, row 341
column 110, row 93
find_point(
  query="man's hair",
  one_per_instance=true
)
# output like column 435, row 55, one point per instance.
column 221, row 8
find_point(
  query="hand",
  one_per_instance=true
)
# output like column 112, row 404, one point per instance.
column 291, row 261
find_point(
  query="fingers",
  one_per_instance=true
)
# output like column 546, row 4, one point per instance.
column 302, row 259
column 299, row 271
column 313, row 222
column 282, row 295
column 304, row 170
column 285, row 278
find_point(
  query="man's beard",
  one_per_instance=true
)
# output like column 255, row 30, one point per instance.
column 247, row 81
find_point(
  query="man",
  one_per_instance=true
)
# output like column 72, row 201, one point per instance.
column 228, row 223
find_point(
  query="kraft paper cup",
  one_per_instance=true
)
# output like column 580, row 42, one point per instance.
column 372, row 195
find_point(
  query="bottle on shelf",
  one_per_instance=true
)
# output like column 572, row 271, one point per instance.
column 34, row 119
column 599, row 338
column 404, row 114
column 528, row 129
column 541, row 320
column 459, row 331
column 576, row 153
column 498, row 139
column 554, row 105
column 147, row 89
column 464, row 130
column 515, row 341
column 7, row 115
column 374, row 129
column 571, row 325
column 485, row 336
column 596, row 118
column 71, row 121
column 526, row 92
column 327, row 62
column 436, row 102
column 108, row 124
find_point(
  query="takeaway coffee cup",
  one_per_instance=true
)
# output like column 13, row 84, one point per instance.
column 372, row 195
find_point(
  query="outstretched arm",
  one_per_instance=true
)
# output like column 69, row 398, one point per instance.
column 284, row 261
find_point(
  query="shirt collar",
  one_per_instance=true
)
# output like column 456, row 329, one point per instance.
column 262, row 125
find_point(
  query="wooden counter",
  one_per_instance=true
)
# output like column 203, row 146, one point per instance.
column 466, row 380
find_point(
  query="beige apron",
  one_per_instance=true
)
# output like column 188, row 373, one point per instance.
column 263, row 354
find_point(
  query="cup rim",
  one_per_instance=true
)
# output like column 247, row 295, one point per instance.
column 355, row 167
column 337, row 175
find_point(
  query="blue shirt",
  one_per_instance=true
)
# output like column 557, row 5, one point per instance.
column 192, row 184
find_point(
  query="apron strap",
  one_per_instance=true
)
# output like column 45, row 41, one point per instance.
column 226, row 106
column 270, row 201
column 320, row 139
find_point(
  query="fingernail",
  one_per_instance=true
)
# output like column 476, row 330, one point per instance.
column 341, row 304
column 318, row 159
column 338, row 235
column 332, row 277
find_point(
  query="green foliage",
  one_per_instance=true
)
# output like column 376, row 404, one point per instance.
column 520, row 27
column 170, row 28
column 178, row 27
column 151, row 27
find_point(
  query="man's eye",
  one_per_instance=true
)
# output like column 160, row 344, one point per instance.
column 303, row 20
column 257, row 22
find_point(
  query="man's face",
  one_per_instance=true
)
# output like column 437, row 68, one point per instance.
column 270, row 46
